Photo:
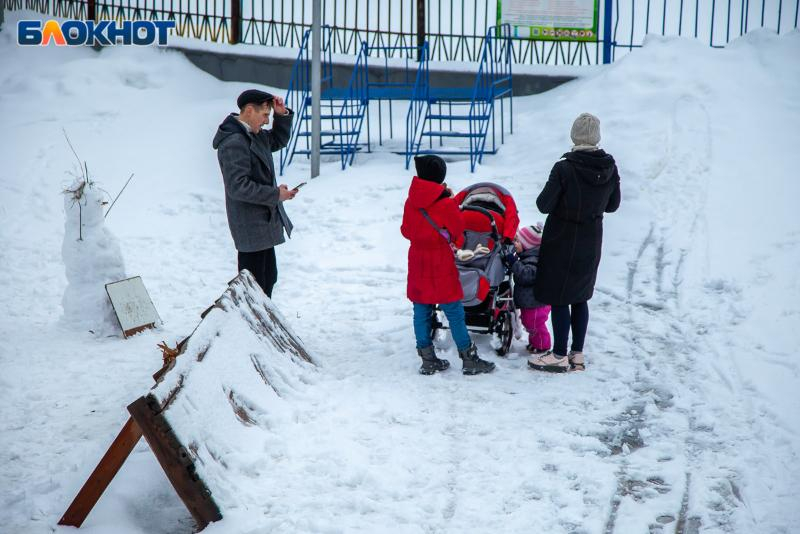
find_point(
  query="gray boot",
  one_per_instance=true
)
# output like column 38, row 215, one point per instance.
column 472, row 364
column 430, row 363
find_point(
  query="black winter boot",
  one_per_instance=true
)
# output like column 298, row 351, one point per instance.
column 472, row 364
column 430, row 363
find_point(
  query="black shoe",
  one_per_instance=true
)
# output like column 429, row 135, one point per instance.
column 472, row 365
column 430, row 363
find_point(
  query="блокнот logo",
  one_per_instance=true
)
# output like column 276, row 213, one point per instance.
column 89, row 32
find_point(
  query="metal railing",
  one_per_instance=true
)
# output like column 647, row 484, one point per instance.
column 417, row 106
column 716, row 22
column 454, row 29
column 299, row 91
column 493, row 81
column 351, row 115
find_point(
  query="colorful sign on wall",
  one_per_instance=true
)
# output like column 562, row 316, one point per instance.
column 550, row 20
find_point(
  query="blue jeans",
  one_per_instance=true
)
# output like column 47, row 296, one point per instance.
column 455, row 316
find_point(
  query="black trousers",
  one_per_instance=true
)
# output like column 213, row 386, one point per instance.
column 263, row 266
column 563, row 320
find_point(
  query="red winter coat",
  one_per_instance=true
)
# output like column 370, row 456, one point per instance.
column 432, row 273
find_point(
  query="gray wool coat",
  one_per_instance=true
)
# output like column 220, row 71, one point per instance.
column 256, row 216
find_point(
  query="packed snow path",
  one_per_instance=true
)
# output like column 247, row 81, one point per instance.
column 632, row 445
column 685, row 420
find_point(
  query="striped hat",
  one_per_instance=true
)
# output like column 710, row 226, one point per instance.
column 530, row 236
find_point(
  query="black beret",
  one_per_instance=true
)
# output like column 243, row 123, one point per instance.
column 253, row 96
column 431, row 168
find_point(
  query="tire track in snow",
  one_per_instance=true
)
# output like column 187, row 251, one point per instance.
column 654, row 318
column 710, row 493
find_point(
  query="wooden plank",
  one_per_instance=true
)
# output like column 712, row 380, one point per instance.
column 175, row 461
column 133, row 331
column 102, row 475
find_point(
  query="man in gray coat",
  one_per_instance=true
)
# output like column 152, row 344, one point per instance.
column 253, row 200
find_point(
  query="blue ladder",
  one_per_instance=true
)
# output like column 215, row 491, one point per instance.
column 342, row 109
column 297, row 95
column 416, row 118
column 460, row 114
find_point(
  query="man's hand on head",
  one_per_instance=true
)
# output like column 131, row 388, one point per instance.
column 286, row 193
column 279, row 106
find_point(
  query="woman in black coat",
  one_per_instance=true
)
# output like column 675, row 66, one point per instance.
column 583, row 185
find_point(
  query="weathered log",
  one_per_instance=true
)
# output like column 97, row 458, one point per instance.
column 175, row 460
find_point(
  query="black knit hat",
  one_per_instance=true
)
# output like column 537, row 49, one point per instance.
column 431, row 168
column 253, row 96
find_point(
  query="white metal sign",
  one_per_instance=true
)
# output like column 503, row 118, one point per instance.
column 132, row 304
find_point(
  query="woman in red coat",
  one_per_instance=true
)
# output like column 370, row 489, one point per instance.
column 433, row 224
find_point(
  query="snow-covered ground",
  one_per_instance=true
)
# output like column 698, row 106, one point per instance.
column 685, row 421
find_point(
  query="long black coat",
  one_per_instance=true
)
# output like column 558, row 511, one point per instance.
column 582, row 186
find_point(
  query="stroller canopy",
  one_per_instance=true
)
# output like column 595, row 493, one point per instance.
column 492, row 198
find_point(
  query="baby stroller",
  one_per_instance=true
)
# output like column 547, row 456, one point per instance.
column 489, row 214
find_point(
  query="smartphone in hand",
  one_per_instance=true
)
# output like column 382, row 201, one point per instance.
column 298, row 186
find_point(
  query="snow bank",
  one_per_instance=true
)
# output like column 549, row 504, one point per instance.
column 242, row 369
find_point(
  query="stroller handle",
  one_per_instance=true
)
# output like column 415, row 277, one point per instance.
column 489, row 215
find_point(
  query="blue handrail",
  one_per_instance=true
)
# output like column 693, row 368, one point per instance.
column 346, row 107
column 299, row 90
column 351, row 115
column 492, row 81
column 296, row 96
column 389, row 78
column 420, row 94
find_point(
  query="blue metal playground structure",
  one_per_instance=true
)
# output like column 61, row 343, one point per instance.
column 450, row 121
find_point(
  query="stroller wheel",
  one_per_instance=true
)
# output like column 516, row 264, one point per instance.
column 504, row 328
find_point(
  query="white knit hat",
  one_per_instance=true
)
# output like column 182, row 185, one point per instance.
column 586, row 130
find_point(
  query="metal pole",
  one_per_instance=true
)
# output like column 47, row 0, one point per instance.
column 420, row 28
column 316, row 86
column 607, row 31
column 2, row 13
column 236, row 22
